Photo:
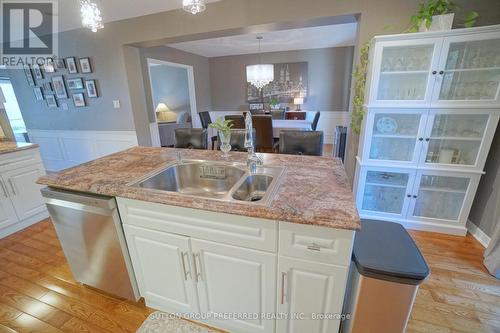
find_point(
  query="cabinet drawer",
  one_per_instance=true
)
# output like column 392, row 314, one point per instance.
column 327, row 245
column 237, row 230
column 19, row 159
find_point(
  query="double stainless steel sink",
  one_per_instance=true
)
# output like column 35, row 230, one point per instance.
column 216, row 180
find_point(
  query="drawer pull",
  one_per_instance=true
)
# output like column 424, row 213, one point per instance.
column 314, row 247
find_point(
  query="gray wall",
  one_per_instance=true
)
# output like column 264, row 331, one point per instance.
column 170, row 86
column 329, row 77
column 485, row 211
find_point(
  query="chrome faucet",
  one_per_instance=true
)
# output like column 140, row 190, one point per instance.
column 253, row 159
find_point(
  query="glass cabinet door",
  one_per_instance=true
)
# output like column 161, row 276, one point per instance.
column 404, row 72
column 439, row 197
column 471, row 71
column 395, row 136
column 455, row 138
column 385, row 192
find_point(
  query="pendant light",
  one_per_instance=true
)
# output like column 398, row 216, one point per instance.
column 193, row 6
column 260, row 75
column 91, row 15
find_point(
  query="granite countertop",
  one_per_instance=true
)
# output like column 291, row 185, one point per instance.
column 312, row 190
column 11, row 146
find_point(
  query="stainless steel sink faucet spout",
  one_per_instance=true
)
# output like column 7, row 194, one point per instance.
column 253, row 159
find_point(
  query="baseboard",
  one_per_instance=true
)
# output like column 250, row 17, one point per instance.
column 23, row 224
column 478, row 234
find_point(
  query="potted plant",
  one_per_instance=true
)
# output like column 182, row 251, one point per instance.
column 274, row 103
column 436, row 15
column 224, row 128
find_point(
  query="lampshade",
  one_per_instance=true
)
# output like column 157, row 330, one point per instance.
column 260, row 75
column 298, row 101
column 162, row 107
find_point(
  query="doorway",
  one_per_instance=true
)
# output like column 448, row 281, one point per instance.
column 11, row 119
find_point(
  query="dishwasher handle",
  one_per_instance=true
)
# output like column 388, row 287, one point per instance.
column 92, row 200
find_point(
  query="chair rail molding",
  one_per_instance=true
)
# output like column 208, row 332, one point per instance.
column 61, row 149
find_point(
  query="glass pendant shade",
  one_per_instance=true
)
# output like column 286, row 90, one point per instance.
column 193, row 6
column 91, row 15
column 260, row 75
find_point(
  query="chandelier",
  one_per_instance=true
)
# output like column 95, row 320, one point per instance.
column 193, row 6
column 260, row 75
column 91, row 15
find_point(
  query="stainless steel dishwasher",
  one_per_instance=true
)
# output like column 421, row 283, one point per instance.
column 91, row 234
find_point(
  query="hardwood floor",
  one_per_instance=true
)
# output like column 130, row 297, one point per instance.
column 38, row 293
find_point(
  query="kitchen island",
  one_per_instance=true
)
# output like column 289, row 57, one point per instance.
column 236, row 265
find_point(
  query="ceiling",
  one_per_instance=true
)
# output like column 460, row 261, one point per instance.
column 282, row 40
column 114, row 10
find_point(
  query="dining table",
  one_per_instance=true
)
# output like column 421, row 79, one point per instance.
column 289, row 124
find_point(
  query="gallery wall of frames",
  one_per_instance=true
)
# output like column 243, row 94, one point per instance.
column 62, row 81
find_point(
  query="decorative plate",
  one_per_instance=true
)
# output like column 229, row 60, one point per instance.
column 387, row 125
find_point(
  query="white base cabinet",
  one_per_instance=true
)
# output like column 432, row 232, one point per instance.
column 21, row 203
column 237, row 273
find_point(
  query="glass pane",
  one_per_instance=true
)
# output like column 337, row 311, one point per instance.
column 472, row 71
column 385, row 191
column 456, row 139
column 394, row 136
column 404, row 72
column 440, row 197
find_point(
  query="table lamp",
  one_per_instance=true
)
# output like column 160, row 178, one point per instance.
column 298, row 101
column 164, row 114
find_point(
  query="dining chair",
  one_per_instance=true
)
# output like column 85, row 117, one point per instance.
column 313, row 117
column 278, row 114
column 237, row 140
column 191, row 138
column 263, row 125
column 301, row 142
column 237, row 120
column 205, row 121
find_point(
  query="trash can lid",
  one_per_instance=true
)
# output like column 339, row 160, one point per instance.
column 385, row 251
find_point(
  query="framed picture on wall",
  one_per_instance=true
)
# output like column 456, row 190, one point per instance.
column 47, row 88
column 90, row 85
column 75, row 84
column 38, row 72
column 85, row 66
column 60, row 63
column 29, row 75
column 38, row 93
column 71, row 64
column 49, row 66
column 79, row 100
column 59, row 87
column 51, row 101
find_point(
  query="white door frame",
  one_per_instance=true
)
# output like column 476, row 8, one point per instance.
column 155, row 135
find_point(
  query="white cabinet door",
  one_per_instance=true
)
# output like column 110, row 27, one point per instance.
column 384, row 192
column 469, row 71
column 163, row 269
column 7, row 213
column 24, row 192
column 308, row 289
column 234, row 280
column 404, row 72
column 394, row 136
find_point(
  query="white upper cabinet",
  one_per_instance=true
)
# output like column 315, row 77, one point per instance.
column 461, row 70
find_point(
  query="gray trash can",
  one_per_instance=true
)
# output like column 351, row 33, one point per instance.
column 387, row 268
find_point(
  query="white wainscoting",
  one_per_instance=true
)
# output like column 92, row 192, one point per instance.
column 327, row 121
column 65, row 149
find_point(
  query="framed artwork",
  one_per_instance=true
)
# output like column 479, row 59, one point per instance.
column 51, row 101
column 59, row 87
column 38, row 72
column 60, row 63
column 71, row 65
column 85, row 66
column 74, row 84
column 79, row 100
column 90, row 85
column 49, row 66
column 47, row 88
column 29, row 75
column 38, row 93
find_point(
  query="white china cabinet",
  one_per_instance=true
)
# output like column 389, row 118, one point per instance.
column 433, row 104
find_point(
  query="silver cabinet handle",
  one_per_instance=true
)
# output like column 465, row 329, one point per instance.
column 314, row 247
column 198, row 272
column 186, row 273
column 4, row 189
column 12, row 186
column 283, row 277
